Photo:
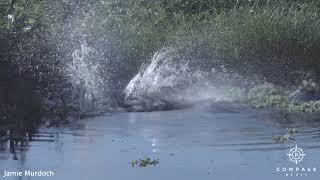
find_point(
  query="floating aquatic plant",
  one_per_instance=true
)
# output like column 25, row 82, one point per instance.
column 292, row 130
column 286, row 137
column 145, row 162
column 283, row 138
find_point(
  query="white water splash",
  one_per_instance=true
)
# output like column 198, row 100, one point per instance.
column 170, row 81
column 83, row 74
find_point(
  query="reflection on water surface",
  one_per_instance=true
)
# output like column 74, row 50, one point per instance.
column 201, row 143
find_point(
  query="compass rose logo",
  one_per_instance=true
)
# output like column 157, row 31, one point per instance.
column 296, row 155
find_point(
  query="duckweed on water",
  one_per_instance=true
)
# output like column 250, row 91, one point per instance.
column 283, row 138
column 145, row 162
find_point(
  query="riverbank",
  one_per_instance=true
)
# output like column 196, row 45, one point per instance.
column 81, row 59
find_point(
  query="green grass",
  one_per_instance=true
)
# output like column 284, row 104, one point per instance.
column 252, row 37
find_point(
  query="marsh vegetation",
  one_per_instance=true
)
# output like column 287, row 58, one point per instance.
column 62, row 59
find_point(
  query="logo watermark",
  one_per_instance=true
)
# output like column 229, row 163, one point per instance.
column 296, row 155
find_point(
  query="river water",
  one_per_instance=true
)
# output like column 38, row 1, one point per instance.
column 221, row 141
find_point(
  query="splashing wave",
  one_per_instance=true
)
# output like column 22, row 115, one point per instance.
column 169, row 82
